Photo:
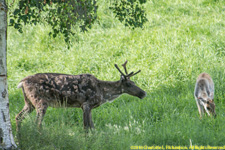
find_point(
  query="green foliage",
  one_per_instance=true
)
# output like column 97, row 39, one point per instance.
column 182, row 39
column 61, row 15
column 130, row 12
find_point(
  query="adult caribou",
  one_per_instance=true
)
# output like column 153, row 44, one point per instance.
column 84, row 91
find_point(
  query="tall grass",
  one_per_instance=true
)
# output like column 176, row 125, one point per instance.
column 182, row 39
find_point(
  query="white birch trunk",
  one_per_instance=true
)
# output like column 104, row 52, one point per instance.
column 6, row 137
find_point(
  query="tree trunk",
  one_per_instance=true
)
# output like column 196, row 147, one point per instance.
column 6, row 137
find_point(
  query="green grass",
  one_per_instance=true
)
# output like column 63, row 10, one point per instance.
column 182, row 39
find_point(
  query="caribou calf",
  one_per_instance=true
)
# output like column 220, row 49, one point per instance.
column 83, row 91
column 204, row 94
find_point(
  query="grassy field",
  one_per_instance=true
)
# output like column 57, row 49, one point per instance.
column 182, row 39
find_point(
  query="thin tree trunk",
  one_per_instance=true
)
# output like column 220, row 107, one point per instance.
column 6, row 137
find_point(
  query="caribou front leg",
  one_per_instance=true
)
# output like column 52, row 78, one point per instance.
column 87, row 119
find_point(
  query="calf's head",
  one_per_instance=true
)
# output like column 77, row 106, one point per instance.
column 129, row 86
column 209, row 103
column 211, row 107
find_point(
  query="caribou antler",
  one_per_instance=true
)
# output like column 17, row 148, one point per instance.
column 134, row 74
column 125, row 69
column 119, row 70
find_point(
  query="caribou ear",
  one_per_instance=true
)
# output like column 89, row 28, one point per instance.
column 122, row 78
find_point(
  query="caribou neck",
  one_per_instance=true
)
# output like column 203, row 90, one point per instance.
column 110, row 89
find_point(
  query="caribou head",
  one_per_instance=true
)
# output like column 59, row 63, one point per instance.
column 129, row 86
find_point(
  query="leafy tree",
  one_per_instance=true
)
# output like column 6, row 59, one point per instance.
column 130, row 12
column 60, row 14
column 63, row 14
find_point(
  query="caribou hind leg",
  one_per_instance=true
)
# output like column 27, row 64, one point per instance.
column 41, row 109
column 27, row 109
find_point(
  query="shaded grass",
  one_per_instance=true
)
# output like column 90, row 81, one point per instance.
column 181, row 40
